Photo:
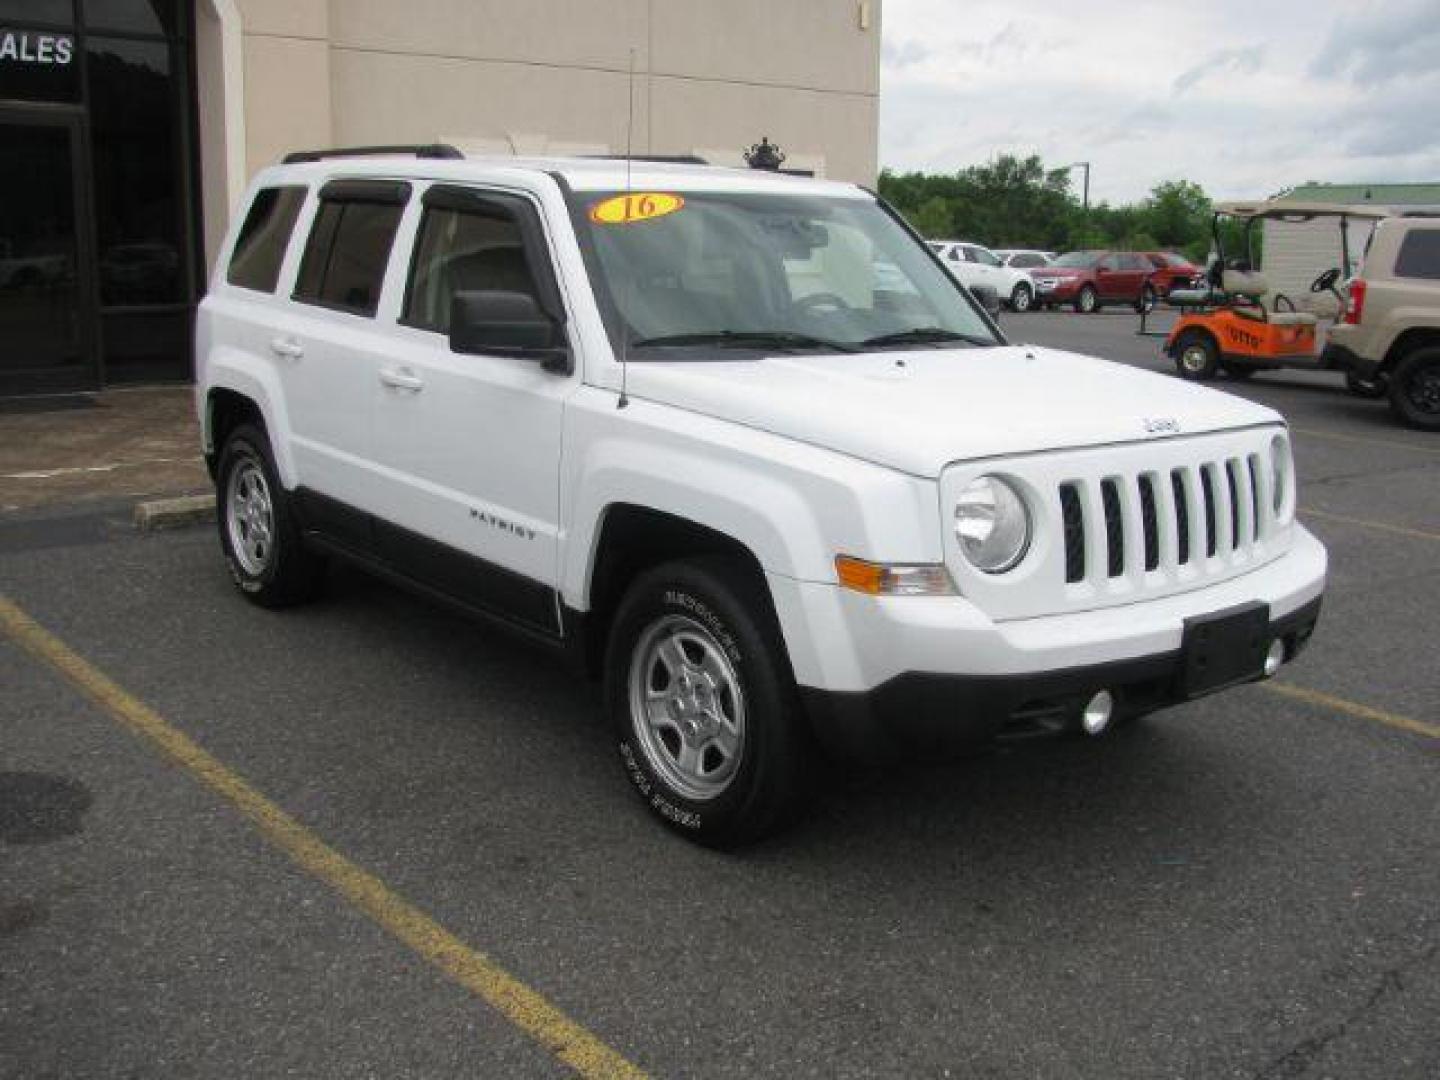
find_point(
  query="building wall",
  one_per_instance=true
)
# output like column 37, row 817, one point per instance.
column 532, row 76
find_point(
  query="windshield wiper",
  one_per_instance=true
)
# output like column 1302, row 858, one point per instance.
column 746, row 338
column 924, row 334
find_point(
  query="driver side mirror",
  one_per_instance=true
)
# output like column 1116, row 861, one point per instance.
column 493, row 322
column 989, row 299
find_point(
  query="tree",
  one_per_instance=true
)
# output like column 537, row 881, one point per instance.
column 1177, row 214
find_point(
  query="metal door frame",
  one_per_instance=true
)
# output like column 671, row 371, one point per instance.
column 90, row 377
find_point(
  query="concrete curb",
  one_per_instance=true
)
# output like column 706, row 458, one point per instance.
column 175, row 513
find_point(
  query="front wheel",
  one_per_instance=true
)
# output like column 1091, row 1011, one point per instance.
column 1021, row 298
column 702, row 701
column 1415, row 389
column 258, row 532
column 1088, row 300
column 1196, row 356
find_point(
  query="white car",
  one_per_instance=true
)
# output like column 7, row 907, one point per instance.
column 734, row 445
column 1025, row 258
column 975, row 265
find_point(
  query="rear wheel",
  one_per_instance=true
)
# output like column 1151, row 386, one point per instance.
column 1415, row 389
column 702, row 701
column 258, row 532
column 1196, row 356
column 1087, row 301
column 1021, row 298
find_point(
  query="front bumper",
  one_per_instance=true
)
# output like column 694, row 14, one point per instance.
column 887, row 674
column 1060, row 290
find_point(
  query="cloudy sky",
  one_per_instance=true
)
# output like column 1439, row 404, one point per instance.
column 1242, row 96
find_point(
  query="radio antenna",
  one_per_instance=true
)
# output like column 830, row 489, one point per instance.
column 624, row 399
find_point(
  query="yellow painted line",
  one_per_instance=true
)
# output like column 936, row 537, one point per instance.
column 1366, row 523
column 1390, row 444
column 1351, row 708
column 475, row 971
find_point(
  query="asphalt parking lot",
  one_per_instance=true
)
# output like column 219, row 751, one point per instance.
column 365, row 838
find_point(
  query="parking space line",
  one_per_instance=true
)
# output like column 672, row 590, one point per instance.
column 1352, row 708
column 1387, row 443
column 526, row 1008
column 1365, row 523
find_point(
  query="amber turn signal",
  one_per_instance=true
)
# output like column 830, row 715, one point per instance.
column 883, row 579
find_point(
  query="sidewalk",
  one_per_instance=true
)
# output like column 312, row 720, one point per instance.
column 113, row 445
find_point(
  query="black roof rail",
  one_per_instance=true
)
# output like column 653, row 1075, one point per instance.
column 657, row 159
column 419, row 150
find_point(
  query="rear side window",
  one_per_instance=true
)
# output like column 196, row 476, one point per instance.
column 260, row 247
column 1419, row 255
column 349, row 245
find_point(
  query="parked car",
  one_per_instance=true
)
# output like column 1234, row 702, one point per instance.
column 1025, row 258
column 735, row 446
column 1089, row 280
column 973, row 265
column 1388, row 338
column 1173, row 271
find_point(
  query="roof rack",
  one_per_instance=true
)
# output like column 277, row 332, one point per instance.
column 419, row 150
column 657, row 159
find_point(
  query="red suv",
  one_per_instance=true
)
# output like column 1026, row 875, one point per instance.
column 1091, row 279
column 1173, row 272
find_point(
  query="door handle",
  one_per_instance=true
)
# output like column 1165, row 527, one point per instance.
column 401, row 379
column 282, row 346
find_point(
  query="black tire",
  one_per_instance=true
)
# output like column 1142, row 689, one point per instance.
column 1415, row 389
column 719, row 614
column 1372, row 389
column 1021, row 298
column 1087, row 300
column 278, row 570
column 1196, row 356
column 1146, row 300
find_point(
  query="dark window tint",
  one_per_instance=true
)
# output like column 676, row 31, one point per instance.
column 344, row 263
column 260, row 248
column 462, row 251
column 138, row 207
column 131, row 16
column 59, row 12
column 1419, row 255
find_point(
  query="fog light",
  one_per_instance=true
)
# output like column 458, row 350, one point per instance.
column 1274, row 657
column 1098, row 711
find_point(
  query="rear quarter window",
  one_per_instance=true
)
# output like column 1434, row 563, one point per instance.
column 260, row 247
column 1419, row 255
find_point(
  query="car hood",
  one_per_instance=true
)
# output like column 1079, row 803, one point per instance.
column 919, row 410
column 1062, row 271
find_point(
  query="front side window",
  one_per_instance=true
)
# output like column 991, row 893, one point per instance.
column 1419, row 255
column 260, row 247
column 463, row 251
column 986, row 258
column 729, row 268
column 1076, row 260
column 349, row 247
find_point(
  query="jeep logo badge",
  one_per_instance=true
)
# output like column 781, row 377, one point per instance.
column 1162, row 425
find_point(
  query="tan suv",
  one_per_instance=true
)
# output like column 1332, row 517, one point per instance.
column 1389, row 336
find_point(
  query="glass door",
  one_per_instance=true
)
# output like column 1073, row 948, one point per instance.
column 45, row 282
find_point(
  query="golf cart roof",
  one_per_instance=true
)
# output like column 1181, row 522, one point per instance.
column 1280, row 208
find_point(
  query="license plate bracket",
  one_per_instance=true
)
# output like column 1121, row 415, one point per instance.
column 1224, row 649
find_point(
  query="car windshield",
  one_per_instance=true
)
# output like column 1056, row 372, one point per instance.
column 1175, row 260
column 1077, row 259
column 713, row 270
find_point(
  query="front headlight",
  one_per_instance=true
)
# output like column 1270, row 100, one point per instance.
column 992, row 524
column 1279, row 472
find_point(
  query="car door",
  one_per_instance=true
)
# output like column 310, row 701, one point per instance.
column 1108, row 281
column 324, row 345
column 963, row 269
column 469, row 445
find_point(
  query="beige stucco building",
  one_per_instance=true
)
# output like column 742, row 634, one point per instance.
column 534, row 76
column 130, row 129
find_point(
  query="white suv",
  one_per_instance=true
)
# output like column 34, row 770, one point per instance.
column 738, row 445
column 974, row 265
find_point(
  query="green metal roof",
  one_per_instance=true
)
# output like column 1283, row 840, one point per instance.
column 1359, row 194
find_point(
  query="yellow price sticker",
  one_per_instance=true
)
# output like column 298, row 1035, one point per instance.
column 635, row 206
